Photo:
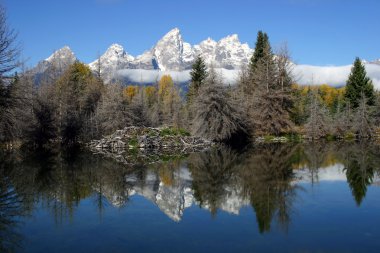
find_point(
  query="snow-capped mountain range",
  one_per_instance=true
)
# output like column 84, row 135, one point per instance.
column 172, row 55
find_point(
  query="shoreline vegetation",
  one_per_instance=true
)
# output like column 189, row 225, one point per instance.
column 71, row 105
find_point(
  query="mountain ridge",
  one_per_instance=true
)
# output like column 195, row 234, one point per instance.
column 172, row 53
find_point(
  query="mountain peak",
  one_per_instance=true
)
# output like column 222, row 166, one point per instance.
column 114, row 58
column 115, row 51
column 173, row 35
column 168, row 51
column 173, row 32
column 65, row 53
column 116, row 47
column 209, row 41
column 234, row 38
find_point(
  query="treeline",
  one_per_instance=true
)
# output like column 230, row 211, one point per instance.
column 71, row 104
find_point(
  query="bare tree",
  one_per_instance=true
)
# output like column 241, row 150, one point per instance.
column 216, row 115
column 342, row 121
column 9, row 61
column 9, row 50
column 138, row 109
column 362, row 125
column 112, row 112
column 317, row 125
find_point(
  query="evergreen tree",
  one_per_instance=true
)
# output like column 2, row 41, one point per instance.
column 198, row 76
column 271, row 100
column 359, row 83
column 261, row 49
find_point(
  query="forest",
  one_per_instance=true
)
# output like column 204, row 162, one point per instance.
column 72, row 104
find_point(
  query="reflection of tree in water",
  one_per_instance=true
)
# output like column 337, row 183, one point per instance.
column 267, row 175
column 60, row 180
column 361, row 162
column 262, row 177
column 360, row 165
column 318, row 155
column 11, row 208
column 212, row 172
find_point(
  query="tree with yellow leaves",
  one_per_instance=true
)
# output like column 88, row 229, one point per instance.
column 130, row 92
column 169, row 101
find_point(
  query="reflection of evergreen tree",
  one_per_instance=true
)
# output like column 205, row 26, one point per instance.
column 360, row 171
column 360, row 162
column 267, row 176
column 212, row 172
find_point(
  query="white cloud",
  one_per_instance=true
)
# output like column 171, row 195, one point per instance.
column 304, row 74
column 152, row 76
column 332, row 75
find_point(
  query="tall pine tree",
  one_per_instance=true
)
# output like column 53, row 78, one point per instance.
column 270, row 83
column 198, row 76
column 357, row 84
column 262, row 44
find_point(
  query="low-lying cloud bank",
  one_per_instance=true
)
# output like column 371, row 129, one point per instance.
column 304, row 75
column 153, row 76
column 334, row 75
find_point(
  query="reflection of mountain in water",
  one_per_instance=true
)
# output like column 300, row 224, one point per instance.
column 267, row 178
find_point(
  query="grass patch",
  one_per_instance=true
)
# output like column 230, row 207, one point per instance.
column 349, row 136
column 133, row 142
column 268, row 138
column 174, row 132
column 295, row 137
column 330, row 137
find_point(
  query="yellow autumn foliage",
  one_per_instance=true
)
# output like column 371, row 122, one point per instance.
column 130, row 92
column 328, row 94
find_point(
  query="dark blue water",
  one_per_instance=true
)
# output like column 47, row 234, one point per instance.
column 271, row 198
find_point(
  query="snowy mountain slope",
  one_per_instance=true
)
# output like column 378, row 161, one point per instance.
column 53, row 66
column 113, row 59
column 60, row 59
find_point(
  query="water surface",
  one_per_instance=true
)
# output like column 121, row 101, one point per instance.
column 322, row 197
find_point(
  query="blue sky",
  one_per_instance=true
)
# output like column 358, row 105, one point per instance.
column 318, row 32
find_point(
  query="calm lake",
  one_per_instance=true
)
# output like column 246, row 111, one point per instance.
column 322, row 197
